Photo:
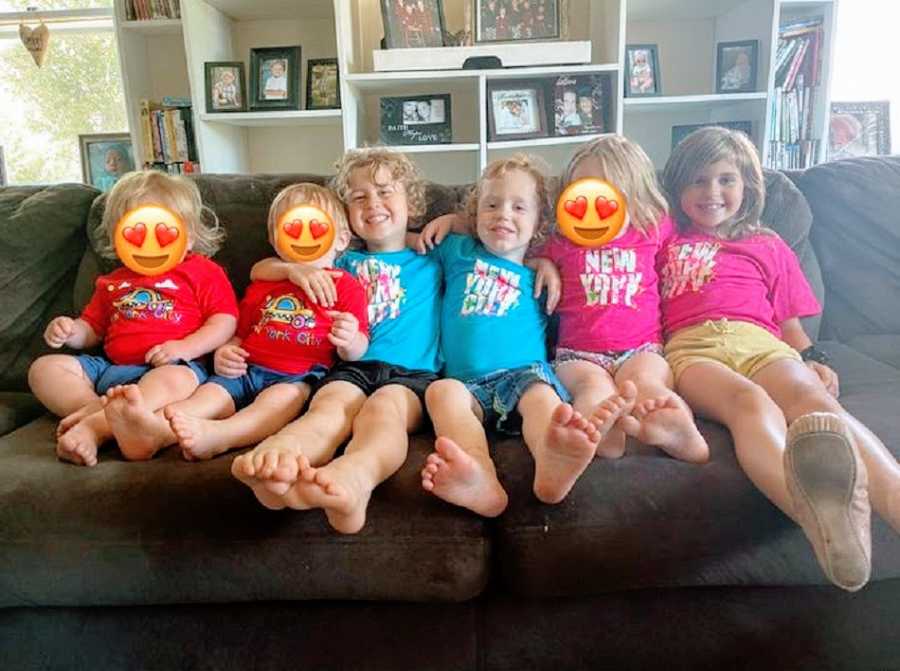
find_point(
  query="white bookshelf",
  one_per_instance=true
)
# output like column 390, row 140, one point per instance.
column 167, row 58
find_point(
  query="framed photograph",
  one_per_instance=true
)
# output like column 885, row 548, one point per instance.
column 323, row 90
column 225, row 90
column 516, row 110
column 681, row 132
column 581, row 104
column 642, row 70
column 105, row 157
column 413, row 23
column 275, row 78
column 422, row 119
column 736, row 66
column 505, row 20
column 859, row 129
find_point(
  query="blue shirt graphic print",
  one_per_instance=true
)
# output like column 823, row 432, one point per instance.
column 490, row 319
column 404, row 294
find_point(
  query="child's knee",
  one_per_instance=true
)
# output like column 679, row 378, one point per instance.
column 441, row 392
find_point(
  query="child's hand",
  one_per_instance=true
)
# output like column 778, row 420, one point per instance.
column 434, row 232
column 343, row 329
column 546, row 277
column 230, row 360
column 166, row 353
column 828, row 376
column 59, row 331
column 317, row 283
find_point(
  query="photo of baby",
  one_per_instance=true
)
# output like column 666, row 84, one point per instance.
column 643, row 70
column 225, row 87
column 274, row 73
column 105, row 157
column 736, row 66
column 275, row 78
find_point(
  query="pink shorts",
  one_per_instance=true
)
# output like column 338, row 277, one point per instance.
column 608, row 361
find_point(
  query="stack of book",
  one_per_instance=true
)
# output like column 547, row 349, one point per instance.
column 794, row 144
column 167, row 136
column 148, row 10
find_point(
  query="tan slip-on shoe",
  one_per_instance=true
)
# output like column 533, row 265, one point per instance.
column 828, row 483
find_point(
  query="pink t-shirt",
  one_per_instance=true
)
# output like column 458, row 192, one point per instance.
column 756, row 279
column 610, row 294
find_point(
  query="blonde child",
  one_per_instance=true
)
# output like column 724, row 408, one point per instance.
column 381, row 397
column 733, row 293
column 154, row 329
column 284, row 342
column 493, row 333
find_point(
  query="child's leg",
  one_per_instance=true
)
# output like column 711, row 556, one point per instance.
column 203, row 438
column 275, row 464
column 560, row 439
column 377, row 450
column 460, row 470
column 60, row 383
column 594, row 395
column 661, row 417
column 797, row 390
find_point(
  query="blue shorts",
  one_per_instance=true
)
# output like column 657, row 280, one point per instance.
column 244, row 389
column 499, row 392
column 104, row 374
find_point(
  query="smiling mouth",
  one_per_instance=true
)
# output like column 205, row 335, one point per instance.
column 305, row 251
column 151, row 261
column 591, row 233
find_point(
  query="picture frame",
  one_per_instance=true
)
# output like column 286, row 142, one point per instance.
column 415, row 120
column 581, row 104
column 275, row 78
column 225, row 89
column 410, row 24
column 859, row 129
column 519, row 20
column 642, row 71
column 516, row 110
column 681, row 132
column 736, row 64
column 323, row 84
column 105, row 157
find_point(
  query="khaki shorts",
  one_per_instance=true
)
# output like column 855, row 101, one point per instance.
column 743, row 347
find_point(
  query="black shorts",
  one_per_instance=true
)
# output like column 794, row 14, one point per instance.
column 372, row 375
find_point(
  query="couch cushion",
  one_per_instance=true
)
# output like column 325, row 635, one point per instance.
column 17, row 409
column 168, row 531
column 42, row 238
column 647, row 520
column 885, row 348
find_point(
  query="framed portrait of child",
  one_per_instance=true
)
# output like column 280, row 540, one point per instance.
column 413, row 23
column 105, row 157
column 225, row 87
column 275, row 78
column 642, row 70
column 736, row 66
column 323, row 89
column 516, row 110
column 581, row 104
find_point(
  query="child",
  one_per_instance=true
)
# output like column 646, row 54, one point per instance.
column 493, row 339
column 732, row 294
column 276, row 83
column 381, row 396
column 154, row 328
column 115, row 164
column 283, row 344
column 225, row 90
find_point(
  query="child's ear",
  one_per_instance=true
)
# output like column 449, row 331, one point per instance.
column 341, row 240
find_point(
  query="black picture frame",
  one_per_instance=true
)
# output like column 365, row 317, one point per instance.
column 408, row 27
column 217, row 94
column 511, row 20
column 642, row 71
column 859, row 129
column 581, row 104
column 415, row 120
column 735, row 74
column 516, row 110
column 681, row 132
column 266, row 87
column 321, row 92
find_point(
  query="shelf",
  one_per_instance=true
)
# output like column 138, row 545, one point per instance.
column 285, row 118
column 544, row 141
column 242, row 10
column 434, row 148
column 153, row 26
column 679, row 10
column 688, row 103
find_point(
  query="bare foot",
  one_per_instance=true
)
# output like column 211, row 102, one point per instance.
column 199, row 439
column 277, row 463
column 79, row 445
column 606, row 419
column 243, row 469
column 140, row 432
column 667, row 424
column 568, row 448
column 456, row 477
column 72, row 419
column 340, row 490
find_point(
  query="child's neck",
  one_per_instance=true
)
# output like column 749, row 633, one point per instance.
column 517, row 257
column 384, row 246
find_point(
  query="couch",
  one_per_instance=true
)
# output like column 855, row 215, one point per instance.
column 649, row 563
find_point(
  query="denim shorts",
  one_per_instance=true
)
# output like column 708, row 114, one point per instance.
column 245, row 388
column 610, row 361
column 104, row 374
column 499, row 392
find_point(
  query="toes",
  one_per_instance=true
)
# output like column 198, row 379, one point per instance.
column 563, row 413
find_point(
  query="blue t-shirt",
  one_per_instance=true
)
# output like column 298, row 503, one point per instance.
column 490, row 319
column 404, row 294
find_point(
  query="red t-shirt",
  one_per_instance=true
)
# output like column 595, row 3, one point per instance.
column 283, row 331
column 132, row 312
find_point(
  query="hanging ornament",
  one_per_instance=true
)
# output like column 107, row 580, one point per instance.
column 36, row 40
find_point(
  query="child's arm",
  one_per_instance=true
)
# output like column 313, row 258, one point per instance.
column 436, row 230
column 546, row 276
column 215, row 332
column 351, row 343
column 231, row 359
column 317, row 283
column 793, row 334
column 76, row 333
